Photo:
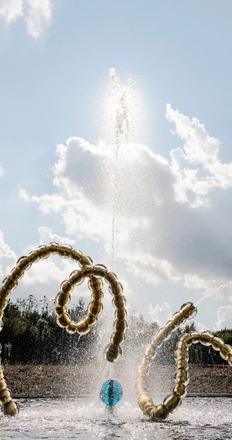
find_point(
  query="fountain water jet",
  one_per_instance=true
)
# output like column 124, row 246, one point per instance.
column 122, row 108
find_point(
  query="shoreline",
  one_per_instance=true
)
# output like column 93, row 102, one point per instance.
column 73, row 381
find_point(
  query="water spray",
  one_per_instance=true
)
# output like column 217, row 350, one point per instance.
column 121, row 109
column 172, row 401
column 95, row 274
column 111, row 390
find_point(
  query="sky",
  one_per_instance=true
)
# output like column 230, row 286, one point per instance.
column 57, row 176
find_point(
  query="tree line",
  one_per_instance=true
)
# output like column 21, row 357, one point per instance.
column 30, row 334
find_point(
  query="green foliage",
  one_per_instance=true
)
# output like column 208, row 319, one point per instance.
column 31, row 335
column 200, row 354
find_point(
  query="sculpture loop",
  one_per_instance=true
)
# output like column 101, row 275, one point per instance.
column 95, row 306
column 172, row 401
column 94, row 274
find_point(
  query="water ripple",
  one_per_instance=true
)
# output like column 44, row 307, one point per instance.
column 82, row 419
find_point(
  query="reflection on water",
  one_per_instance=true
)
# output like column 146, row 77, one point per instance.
column 197, row 418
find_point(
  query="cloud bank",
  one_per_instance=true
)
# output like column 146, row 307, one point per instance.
column 160, row 313
column 224, row 317
column 7, row 256
column 37, row 14
column 1, row 170
column 173, row 216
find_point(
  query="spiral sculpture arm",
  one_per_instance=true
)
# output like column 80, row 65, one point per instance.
column 172, row 401
column 144, row 399
column 95, row 305
column 94, row 274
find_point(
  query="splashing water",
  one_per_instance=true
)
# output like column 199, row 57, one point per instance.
column 81, row 419
column 204, row 298
column 122, row 108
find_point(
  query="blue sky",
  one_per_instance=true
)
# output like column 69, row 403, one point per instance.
column 51, row 87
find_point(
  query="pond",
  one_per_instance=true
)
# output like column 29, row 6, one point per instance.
column 82, row 419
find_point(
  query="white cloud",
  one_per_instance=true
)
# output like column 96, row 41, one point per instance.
column 197, row 166
column 172, row 217
column 199, row 147
column 7, row 256
column 37, row 14
column 160, row 313
column 49, row 273
column 2, row 171
column 151, row 268
column 46, row 235
column 11, row 10
column 224, row 317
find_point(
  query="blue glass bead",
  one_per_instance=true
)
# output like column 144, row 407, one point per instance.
column 111, row 392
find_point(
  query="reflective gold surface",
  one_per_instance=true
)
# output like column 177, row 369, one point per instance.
column 95, row 274
column 171, row 402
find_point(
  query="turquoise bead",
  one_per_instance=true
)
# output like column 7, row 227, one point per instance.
column 111, row 392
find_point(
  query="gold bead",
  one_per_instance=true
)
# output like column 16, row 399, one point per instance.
column 82, row 327
column 99, row 270
column 180, row 389
column 11, row 409
column 229, row 360
column 186, row 339
column 65, row 287
column 90, row 319
column 59, row 310
column 225, row 351
column 217, row 343
column 182, row 376
column 178, row 318
column 144, row 400
column 5, row 396
column 71, row 328
column 206, row 339
column 195, row 337
column 63, row 320
column 147, row 409
column 112, row 352
column 166, row 331
column 62, row 299
column 3, row 302
column 158, row 412
column 181, row 350
column 182, row 363
column 111, row 278
column 22, row 262
column 2, row 384
column 95, row 308
column 86, row 270
column 172, row 402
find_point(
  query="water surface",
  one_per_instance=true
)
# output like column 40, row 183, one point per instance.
column 82, row 419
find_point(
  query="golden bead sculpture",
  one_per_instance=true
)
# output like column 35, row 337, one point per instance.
column 94, row 274
column 95, row 305
column 171, row 402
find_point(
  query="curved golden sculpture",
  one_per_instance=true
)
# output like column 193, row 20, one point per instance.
column 94, row 273
column 171, row 402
